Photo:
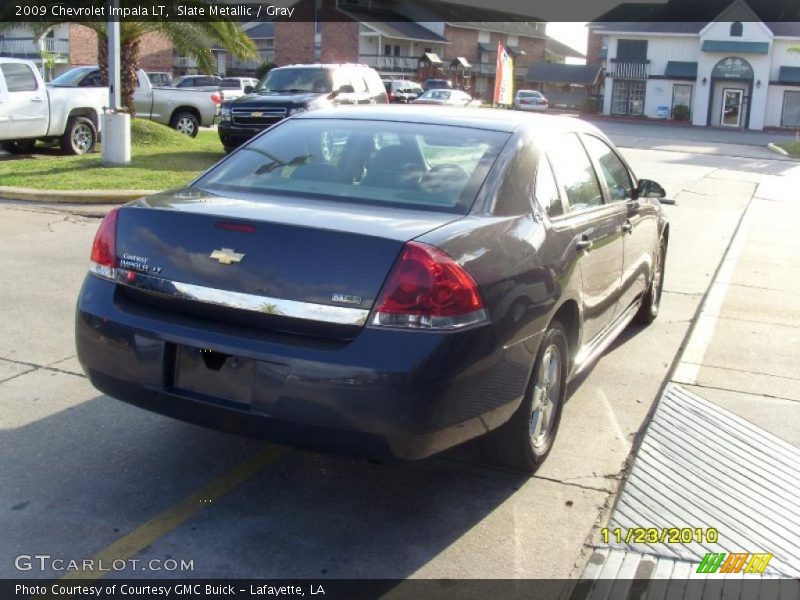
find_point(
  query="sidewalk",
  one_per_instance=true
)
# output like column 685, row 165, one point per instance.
column 723, row 447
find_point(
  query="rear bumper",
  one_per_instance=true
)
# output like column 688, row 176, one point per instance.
column 383, row 394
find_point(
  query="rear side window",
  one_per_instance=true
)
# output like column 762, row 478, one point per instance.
column 547, row 194
column 575, row 172
column 612, row 169
column 516, row 192
column 230, row 84
column 430, row 167
column 19, row 77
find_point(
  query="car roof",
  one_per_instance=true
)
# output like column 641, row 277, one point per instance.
column 322, row 66
column 476, row 118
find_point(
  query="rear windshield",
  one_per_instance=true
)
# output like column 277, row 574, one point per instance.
column 526, row 94
column 412, row 165
column 72, row 77
column 230, row 84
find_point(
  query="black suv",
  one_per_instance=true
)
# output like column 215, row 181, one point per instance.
column 289, row 90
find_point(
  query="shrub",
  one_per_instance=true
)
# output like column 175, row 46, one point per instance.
column 590, row 105
column 264, row 68
column 680, row 112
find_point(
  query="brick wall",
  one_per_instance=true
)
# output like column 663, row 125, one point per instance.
column 82, row 45
column 339, row 41
column 463, row 42
column 534, row 51
column 594, row 46
column 294, row 40
column 156, row 53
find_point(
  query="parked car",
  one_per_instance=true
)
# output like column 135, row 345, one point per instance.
column 530, row 100
column 234, row 87
column 295, row 89
column 160, row 78
column 31, row 110
column 389, row 300
column 437, row 84
column 402, row 91
column 198, row 81
column 185, row 110
column 448, row 97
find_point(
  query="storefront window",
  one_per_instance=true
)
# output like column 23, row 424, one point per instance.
column 627, row 97
column 682, row 96
column 791, row 109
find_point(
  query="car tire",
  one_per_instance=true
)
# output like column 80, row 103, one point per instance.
column 651, row 301
column 229, row 149
column 186, row 123
column 18, row 146
column 523, row 443
column 80, row 136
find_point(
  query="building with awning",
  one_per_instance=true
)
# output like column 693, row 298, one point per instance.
column 731, row 69
column 565, row 86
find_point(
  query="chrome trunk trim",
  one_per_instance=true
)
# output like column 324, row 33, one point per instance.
column 294, row 309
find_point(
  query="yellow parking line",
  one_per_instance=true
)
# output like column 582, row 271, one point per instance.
column 141, row 537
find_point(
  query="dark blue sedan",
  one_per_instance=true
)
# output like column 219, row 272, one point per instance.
column 386, row 282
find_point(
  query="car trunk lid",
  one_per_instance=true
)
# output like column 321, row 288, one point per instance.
column 287, row 264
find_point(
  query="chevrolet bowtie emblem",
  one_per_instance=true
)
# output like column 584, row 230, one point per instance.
column 226, row 256
column 256, row 114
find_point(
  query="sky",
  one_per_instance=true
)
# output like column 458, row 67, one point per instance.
column 572, row 34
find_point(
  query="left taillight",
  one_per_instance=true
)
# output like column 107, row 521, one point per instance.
column 103, row 260
column 427, row 289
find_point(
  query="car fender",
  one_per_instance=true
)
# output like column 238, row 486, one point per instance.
column 65, row 101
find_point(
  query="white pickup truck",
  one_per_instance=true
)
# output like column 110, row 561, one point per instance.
column 68, row 108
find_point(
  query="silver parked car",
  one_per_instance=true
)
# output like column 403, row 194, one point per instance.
column 445, row 97
column 531, row 100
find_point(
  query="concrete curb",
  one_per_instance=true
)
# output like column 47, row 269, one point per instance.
column 72, row 196
column 777, row 149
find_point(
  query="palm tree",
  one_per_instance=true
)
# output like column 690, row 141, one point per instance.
column 192, row 39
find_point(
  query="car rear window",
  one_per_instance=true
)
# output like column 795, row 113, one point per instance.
column 432, row 167
column 230, row 84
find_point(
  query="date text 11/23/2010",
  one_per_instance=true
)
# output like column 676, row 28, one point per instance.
column 660, row 535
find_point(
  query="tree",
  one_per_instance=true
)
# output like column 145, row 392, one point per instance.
column 193, row 39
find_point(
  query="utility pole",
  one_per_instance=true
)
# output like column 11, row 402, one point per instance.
column 115, row 123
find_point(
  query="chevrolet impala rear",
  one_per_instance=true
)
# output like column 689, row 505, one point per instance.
column 347, row 281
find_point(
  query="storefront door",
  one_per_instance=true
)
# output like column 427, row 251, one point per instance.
column 731, row 113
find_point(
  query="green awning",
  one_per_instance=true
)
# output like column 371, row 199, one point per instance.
column 484, row 47
column 789, row 75
column 515, row 51
column 677, row 69
column 735, row 47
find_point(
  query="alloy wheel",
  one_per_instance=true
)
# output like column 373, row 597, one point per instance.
column 546, row 393
column 82, row 138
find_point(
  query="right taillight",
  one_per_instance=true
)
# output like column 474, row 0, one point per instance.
column 104, row 248
column 428, row 290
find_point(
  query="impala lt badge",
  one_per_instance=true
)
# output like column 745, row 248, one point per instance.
column 346, row 298
column 226, row 256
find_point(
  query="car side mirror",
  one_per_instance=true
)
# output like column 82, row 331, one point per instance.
column 648, row 188
column 248, row 89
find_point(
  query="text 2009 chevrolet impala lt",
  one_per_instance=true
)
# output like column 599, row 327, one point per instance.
column 387, row 282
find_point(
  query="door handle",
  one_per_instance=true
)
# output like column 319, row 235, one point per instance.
column 37, row 99
column 583, row 244
column 627, row 227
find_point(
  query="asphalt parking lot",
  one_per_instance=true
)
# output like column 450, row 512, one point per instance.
column 88, row 477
